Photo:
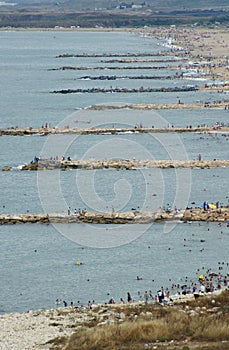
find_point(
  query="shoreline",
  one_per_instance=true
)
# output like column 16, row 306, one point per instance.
column 68, row 29
column 201, row 44
column 38, row 329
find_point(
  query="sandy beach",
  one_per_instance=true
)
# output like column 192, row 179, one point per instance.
column 200, row 44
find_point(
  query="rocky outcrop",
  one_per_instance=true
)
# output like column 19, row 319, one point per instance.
column 135, row 217
column 6, row 168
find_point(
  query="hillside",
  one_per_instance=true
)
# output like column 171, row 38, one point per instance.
column 112, row 13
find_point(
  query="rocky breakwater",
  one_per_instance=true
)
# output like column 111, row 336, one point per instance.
column 14, row 219
column 79, row 68
column 91, row 218
column 92, row 164
column 134, row 217
column 114, row 131
column 153, row 106
column 125, row 90
column 197, row 214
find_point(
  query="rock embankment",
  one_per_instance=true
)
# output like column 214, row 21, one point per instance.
column 135, row 217
column 93, row 164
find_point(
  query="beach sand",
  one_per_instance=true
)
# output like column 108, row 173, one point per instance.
column 200, row 44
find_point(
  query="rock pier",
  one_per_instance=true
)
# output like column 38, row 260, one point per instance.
column 133, row 217
column 152, row 106
column 122, row 90
column 93, row 164
column 43, row 131
column 102, row 55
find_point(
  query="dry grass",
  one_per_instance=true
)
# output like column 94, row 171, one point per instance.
column 197, row 322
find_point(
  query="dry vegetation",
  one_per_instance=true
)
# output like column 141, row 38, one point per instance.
column 200, row 324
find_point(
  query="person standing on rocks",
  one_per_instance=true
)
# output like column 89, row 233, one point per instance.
column 129, row 299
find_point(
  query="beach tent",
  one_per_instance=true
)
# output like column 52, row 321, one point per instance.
column 212, row 206
column 209, row 205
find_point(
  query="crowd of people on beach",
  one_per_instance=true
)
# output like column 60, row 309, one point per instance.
column 209, row 282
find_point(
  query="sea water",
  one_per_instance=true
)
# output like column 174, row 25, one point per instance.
column 39, row 262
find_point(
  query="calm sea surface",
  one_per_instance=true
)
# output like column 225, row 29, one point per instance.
column 38, row 262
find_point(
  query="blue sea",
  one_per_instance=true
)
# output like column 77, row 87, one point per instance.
column 39, row 262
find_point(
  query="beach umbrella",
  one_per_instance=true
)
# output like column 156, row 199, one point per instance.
column 201, row 277
column 212, row 206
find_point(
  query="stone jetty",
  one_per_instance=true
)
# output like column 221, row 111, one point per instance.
column 44, row 131
column 135, row 60
column 151, row 106
column 133, row 217
column 110, row 68
column 131, row 77
column 125, row 90
column 93, row 164
column 130, row 54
